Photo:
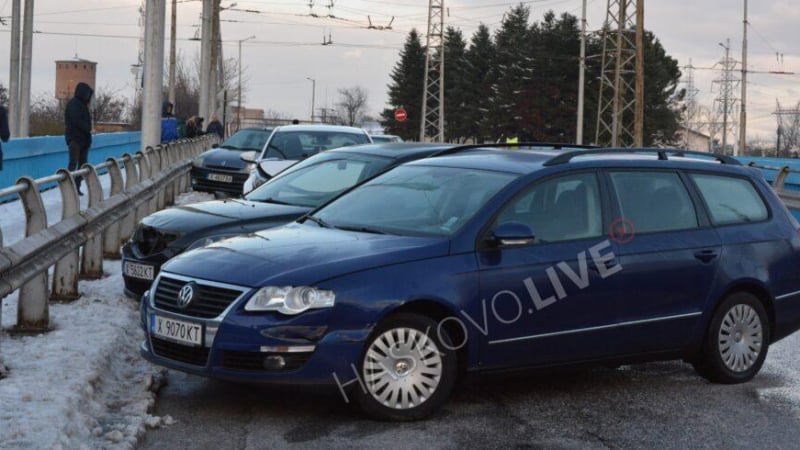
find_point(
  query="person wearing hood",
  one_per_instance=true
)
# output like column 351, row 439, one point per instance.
column 215, row 126
column 169, row 124
column 78, row 129
column 4, row 131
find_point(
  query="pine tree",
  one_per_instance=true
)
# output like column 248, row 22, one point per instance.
column 478, row 61
column 513, row 73
column 406, row 89
column 456, row 99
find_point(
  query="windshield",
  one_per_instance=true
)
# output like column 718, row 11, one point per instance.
column 415, row 201
column 247, row 140
column 319, row 179
column 302, row 144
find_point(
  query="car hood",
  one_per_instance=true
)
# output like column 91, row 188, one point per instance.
column 222, row 157
column 196, row 216
column 300, row 254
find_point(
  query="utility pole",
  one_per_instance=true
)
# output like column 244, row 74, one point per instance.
column 690, row 103
column 432, row 116
column 313, row 95
column 742, row 147
column 172, row 51
column 581, row 76
column 239, row 88
column 25, row 75
column 726, row 100
column 205, row 60
column 13, row 78
column 638, row 121
column 619, row 85
column 153, row 72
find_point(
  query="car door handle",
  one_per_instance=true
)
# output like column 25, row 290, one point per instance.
column 705, row 255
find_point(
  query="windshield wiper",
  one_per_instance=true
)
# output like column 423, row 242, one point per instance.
column 277, row 202
column 362, row 229
column 319, row 221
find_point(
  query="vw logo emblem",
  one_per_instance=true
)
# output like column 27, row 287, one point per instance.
column 223, row 163
column 185, row 295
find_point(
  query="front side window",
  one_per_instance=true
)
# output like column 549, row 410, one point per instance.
column 314, row 184
column 302, row 144
column 730, row 200
column 560, row 209
column 416, row 201
column 654, row 201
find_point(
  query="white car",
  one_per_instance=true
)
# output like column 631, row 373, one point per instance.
column 291, row 143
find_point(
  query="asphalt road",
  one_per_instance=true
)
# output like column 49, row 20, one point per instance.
column 661, row 405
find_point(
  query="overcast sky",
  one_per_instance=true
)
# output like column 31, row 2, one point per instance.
column 287, row 49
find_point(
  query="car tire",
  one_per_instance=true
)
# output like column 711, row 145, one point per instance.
column 736, row 341
column 408, row 369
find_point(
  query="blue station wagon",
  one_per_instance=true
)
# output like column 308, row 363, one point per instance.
column 489, row 260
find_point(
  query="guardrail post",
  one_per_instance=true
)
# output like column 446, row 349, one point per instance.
column 92, row 263
column 111, row 239
column 144, row 173
column 33, row 313
column 169, row 189
column 780, row 178
column 161, row 196
column 128, row 222
column 65, row 274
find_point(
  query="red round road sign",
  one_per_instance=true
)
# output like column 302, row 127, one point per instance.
column 400, row 115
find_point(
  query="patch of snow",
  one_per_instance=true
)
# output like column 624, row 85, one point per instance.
column 83, row 384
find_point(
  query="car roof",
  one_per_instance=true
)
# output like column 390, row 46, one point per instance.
column 524, row 161
column 254, row 129
column 395, row 150
column 320, row 127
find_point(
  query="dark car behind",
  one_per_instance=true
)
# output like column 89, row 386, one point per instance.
column 292, row 194
column 222, row 169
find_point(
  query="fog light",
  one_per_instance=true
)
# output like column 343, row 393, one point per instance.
column 274, row 363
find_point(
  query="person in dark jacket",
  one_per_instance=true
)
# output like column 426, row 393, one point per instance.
column 169, row 124
column 4, row 133
column 215, row 127
column 78, row 129
column 191, row 127
column 198, row 126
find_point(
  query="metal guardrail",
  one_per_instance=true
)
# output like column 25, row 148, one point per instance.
column 75, row 246
column 789, row 197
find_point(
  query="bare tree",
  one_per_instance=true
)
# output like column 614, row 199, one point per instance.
column 352, row 103
column 47, row 116
column 109, row 105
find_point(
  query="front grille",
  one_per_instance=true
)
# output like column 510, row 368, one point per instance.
column 254, row 361
column 197, row 356
column 207, row 301
column 149, row 240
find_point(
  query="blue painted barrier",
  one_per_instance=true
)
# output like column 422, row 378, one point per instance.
column 792, row 182
column 38, row 157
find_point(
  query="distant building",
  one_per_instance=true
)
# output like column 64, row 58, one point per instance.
column 693, row 140
column 70, row 72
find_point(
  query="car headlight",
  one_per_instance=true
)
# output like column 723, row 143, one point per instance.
column 290, row 300
column 198, row 161
column 208, row 240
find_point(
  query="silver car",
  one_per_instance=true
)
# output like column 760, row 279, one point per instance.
column 291, row 143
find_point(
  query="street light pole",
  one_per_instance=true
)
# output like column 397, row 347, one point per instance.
column 313, row 94
column 239, row 95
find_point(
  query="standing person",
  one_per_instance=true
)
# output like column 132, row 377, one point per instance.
column 169, row 124
column 191, row 128
column 215, row 126
column 4, row 133
column 78, row 129
column 198, row 125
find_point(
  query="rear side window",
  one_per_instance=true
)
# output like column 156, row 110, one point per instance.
column 654, row 201
column 730, row 200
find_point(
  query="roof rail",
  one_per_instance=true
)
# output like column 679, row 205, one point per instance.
column 663, row 154
column 553, row 145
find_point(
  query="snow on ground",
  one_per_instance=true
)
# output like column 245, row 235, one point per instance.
column 83, row 384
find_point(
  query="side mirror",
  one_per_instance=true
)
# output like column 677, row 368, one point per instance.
column 512, row 234
column 249, row 157
column 214, row 145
